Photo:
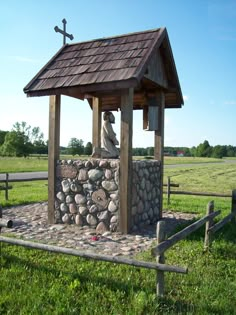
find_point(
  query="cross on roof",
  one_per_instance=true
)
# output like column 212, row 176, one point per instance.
column 63, row 32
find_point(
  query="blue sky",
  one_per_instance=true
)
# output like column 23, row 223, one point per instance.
column 203, row 39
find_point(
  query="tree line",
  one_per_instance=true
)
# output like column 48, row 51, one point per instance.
column 24, row 140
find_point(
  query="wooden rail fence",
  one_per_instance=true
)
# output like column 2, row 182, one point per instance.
column 159, row 251
column 191, row 193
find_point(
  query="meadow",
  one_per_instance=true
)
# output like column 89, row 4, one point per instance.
column 35, row 282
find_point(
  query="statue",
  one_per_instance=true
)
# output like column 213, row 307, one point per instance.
column 108, row 139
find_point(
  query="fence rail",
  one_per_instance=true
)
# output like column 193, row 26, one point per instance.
column 170, row 192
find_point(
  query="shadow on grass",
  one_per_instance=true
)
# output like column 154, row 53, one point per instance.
column 132, row 286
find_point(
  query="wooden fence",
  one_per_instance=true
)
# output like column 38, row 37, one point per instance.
column 180, row 192
column 162, row 244
column 7, row 180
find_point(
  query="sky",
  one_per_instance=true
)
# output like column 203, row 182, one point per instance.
column 203, row 39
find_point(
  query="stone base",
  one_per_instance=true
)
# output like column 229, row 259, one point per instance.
column 88, row 193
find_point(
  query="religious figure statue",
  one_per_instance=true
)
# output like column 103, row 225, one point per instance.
column 108, row 139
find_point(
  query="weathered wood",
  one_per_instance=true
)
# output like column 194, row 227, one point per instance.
column 6, row 223
column 145, row 118
column 159, row 143
column 209, row 223
column 233, row 205
column 126, row 160
column 222, row 222
column 159, row 249
column 168, row 190
column 97, row 123
column 6, row 191
column 84, row 254
column 179, row 192
column 53, row 151
column 160, row 259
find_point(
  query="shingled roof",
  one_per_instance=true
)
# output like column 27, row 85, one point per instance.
column 103, row 67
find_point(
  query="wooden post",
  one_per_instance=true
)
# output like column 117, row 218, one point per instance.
column 233, row 206
column 159, row 142
column 6, row 190
column 168, row 190
column 209, row 224
column 160, row 258
column 96, row 125
column 53, row 151
column 126, row 134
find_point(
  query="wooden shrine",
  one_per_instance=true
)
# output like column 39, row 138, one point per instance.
column 128, row 72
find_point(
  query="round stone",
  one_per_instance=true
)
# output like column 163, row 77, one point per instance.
column 103, row 163
column 109, row 185
column 83, row 174
column 75, row 187
column 61, row 196
column 80, row 199
column 114, row 219
column 83, row 210
column 101, row 228
column 79, row 220
column 95, row 175
column 93, row 209
column 91, row 219
column 73, row 208
column 64, row 207
column 69, row 199
column 65, row 186
column 66, row 218
column 108, row 174
column 103, row 215
column 112, row 207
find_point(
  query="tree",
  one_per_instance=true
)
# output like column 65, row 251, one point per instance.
column 15, row 145
column 2, row 136
column 204, row 149
column 88, row 149
column 76, row 146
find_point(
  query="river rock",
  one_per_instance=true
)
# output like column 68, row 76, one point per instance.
column 108, row 174
column 101, row 228
column 69, row 199
column 93, row 209
column 65, row 186
column 79, row 220
column 109, row 185
column 83, row 174
column 112, row 207
column 61, row 196
column 80, row 199
column 83, row 210
column 114, row 219
column 103, row 164
column 91, row 219
column 73, row 208
column 66, row 218
column 103, row 215
column 95, row 175
column 63, row 207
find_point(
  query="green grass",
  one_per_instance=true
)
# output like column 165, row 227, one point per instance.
column 36, row 282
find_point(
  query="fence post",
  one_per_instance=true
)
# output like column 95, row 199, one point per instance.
column 233, row 205
column 168, row 190
column 209, row 223
column 6, row 191
column 160, row 258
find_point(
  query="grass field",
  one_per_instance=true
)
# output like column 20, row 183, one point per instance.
column 35, row 282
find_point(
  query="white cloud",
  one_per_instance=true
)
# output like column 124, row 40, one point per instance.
column 186, row 98
column 24, row 59
column 229, row 102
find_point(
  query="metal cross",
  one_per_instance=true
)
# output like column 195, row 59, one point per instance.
column 63, row 32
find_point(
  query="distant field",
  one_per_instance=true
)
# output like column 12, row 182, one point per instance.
column 34, row 164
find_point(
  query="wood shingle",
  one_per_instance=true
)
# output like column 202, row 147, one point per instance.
column 105, row 66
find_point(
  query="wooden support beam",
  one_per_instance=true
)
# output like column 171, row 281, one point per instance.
column 53, row 151
column 97, row 109
column 209, row 223
column 160, row 258
column 126, row 160
column 159, row 142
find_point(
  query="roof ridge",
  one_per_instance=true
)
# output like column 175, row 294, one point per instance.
column 116, row 36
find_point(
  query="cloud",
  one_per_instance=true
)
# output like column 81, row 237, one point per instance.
column 186, row 98
column 24, row 59
column 229, row 102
